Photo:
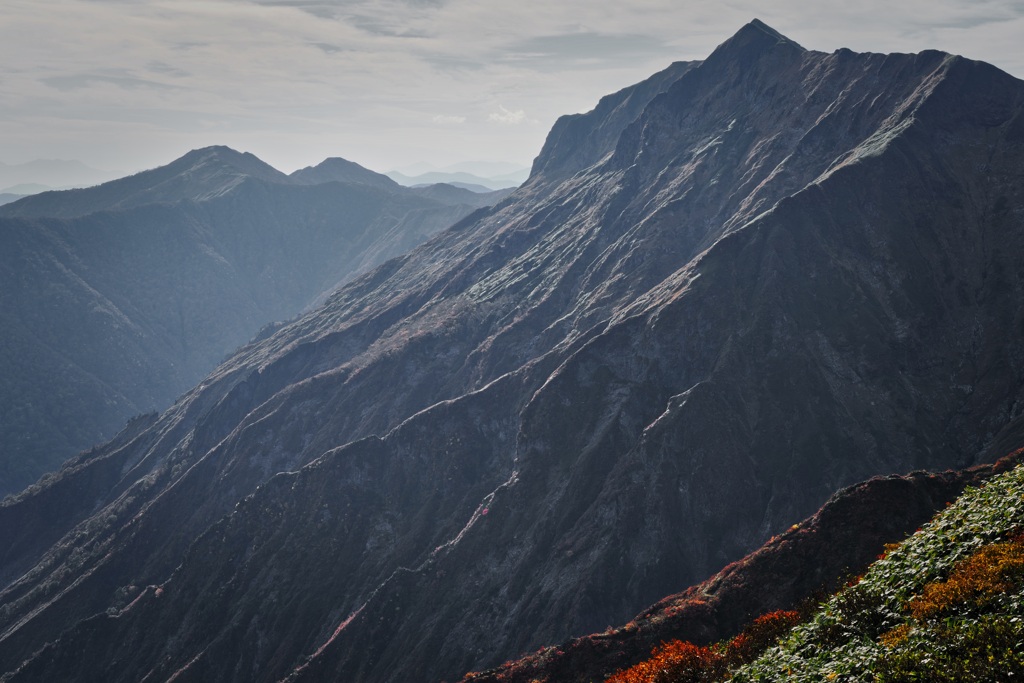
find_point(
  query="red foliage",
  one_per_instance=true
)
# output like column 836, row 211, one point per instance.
column 675, row 662
column 681, row 662
column 759, row 636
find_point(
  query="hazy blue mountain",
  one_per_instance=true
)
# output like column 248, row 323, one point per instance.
column 461, row 178
column 455, row 194
column 484, row 169
column 26, row 189
column 53, row 173
column 8, row 197
column 117, row 298
column 199, row 175
column 342, row 170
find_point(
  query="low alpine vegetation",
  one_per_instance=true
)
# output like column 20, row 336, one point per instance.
column 947, row 604
column 682, row 662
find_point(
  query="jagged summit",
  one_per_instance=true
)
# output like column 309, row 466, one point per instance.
column 576, row 141
column 756, row 47
column 763, row 28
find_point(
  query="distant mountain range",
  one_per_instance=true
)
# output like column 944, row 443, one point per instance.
column 723, row 295
column 118, row 298
column 40, row 174
column 8, row 197
column 478, row 177
column 16, row 192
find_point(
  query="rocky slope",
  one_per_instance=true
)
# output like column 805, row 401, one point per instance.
column 773, row 274
column 116, row 299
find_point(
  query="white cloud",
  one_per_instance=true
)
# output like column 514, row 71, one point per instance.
column 129, row 84
column 507, row 116
column 444, row 119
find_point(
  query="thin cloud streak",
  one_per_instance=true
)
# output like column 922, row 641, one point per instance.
column 507, row 117
column 133, row 84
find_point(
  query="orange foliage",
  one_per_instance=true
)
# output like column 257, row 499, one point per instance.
column 992, row 570
column 895, row 637
column 760, row 635
column 675, row 662
column 681, row 662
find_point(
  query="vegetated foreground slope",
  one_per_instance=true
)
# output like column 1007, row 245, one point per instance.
column 946, row 605
column 788, row 577
column 787, row 271
column 116, row 299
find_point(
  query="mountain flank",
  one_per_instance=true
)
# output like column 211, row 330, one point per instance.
column 765, row 277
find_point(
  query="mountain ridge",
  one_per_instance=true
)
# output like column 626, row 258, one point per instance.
column 200, row 174
column 628, row 373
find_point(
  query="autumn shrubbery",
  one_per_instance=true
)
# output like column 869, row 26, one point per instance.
column 991, row 571
column 943, row 606
column 759, row 636
column 946, row 605
column 675, row 662
column 935, row 643
column 942, row 643
column 682, row 662
column 987, row 649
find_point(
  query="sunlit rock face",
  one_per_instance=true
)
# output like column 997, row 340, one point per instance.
column 722, row 295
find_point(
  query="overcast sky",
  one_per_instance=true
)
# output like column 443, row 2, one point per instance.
column 132, row 84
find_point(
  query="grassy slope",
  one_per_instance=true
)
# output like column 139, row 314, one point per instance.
column 879, row 628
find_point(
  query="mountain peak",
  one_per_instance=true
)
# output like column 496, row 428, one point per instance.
column 222, row 156
column 336, row 169
column 758, row 25
column 754, row 37
column 197, row 175
column 578, row 140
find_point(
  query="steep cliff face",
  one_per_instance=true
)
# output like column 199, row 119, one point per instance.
column 791, row 271
column 116, row 299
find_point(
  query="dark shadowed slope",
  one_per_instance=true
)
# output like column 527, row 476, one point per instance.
column 109, row 314
column 790, row 272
